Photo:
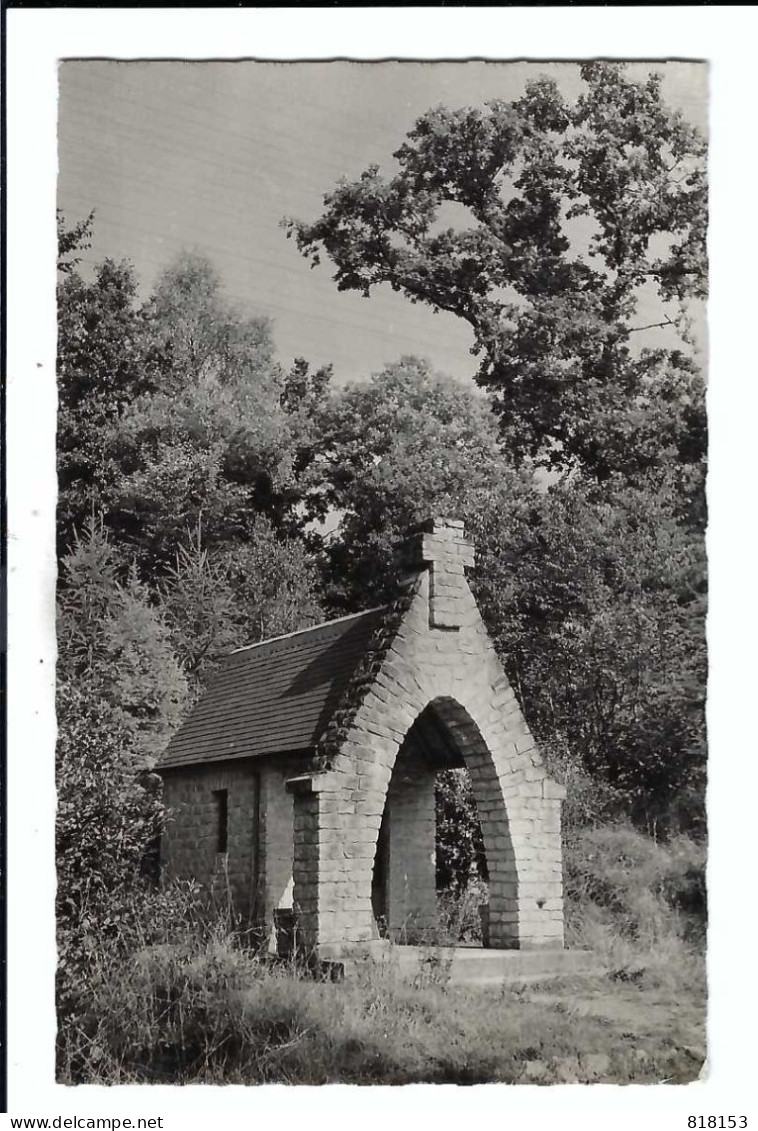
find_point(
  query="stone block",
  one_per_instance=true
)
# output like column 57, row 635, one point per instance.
column 553, row 790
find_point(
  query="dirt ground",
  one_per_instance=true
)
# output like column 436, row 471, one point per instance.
column 641, row 1031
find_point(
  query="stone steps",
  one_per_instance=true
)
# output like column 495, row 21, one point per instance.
column 473, row 966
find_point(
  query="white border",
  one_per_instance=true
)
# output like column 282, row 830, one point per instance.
column 36, row 39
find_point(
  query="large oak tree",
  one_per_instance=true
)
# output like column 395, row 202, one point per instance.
column 542, row 224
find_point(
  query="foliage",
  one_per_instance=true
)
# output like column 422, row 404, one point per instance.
column 544, row 225
column 115, row 646
column 622, row 884
column 460, row 845
column 71, row 240
column 107, row 813
column 594, row 594
column 406, row 444
column 199, row 334
column 596, row 602
column 104, row 362
column 216, row 600
column 199, row 1008
column 108, row 817
column 304, row 395
column 276, row 584
column 211, row 443
column 175, row 414
column 475, row 223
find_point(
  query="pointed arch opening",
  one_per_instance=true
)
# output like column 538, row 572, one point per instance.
column 410, row 871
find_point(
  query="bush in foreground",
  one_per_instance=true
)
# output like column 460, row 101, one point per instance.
column 636, row 901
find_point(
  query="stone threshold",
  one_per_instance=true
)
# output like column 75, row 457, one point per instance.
column 473, row 965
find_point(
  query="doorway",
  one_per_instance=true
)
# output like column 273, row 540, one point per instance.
column 423, row 891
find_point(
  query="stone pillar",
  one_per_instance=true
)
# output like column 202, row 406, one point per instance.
column 332, row 864
column 537, row 911
column 411, row 880
column 526, row 893
column 305, row 870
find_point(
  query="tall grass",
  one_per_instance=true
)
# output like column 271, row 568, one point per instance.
column 217, row 1014
column 638, row 903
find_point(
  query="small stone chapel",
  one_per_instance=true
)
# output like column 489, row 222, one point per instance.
column 303, row 780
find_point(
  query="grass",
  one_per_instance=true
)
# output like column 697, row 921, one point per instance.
column 203, row 1008
column 221, row 1016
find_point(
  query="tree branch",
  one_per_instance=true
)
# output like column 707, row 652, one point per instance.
column 652, row 326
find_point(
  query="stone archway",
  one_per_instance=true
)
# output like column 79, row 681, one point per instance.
column 404, row 893
column 337, row 820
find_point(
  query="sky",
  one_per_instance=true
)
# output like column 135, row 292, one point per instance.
column 210, row 156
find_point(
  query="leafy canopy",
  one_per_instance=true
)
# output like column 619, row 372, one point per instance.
column 407, row 443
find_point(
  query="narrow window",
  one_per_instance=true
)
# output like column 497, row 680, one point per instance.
column 221, row 797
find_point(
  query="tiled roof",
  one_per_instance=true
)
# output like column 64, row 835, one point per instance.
column 274, row 697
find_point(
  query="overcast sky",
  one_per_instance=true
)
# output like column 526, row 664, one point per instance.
column 211, row 156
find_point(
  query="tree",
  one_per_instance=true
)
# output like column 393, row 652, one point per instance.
column 104, row 364
column 304, row 397
column 543, row 224
column 114, row 646
column 215, row 600
column 180, row 532
column 212, row 444
column 594, row 594
column 407, row 443
column 554, row 324
column 175, row 413
column 199, row 333
column 596, row 603
column 72, row 240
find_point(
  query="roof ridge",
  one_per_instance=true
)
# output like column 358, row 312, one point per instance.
column 311, row 628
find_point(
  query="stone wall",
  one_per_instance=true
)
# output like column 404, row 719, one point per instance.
column 411, row 851
column 189, row 841
column 438, row 653
column 276, row 838
column 256, row 870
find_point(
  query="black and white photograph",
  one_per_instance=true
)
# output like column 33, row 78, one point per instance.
column 380, row 574
column 382, row 587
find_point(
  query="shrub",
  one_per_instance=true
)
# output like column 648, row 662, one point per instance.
column 460, row 844
column 458, row 912
column 109, row 816
column 622, row 885
column 203, row 1009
